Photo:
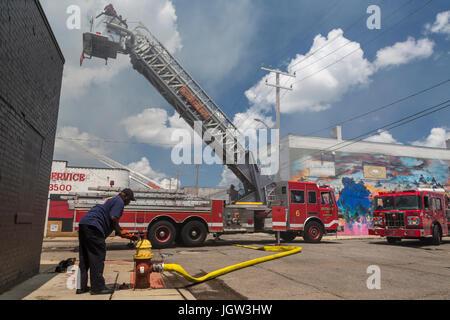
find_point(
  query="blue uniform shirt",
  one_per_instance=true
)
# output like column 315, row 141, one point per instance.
column 100, row 215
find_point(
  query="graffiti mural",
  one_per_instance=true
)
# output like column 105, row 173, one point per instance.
column 356, row 178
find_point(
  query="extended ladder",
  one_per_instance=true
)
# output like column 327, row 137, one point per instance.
column 150, row 58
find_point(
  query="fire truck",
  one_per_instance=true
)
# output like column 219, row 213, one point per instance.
column 419, row 214
column 285, row 208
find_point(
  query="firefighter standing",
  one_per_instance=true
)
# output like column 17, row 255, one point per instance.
column 94, row 227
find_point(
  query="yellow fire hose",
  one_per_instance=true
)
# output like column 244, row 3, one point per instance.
column 286, row 251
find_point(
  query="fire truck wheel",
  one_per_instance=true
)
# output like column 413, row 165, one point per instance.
column 288, row 236
column 313, row 232
column 436, row 239
column 193, row 233
column 162, row 234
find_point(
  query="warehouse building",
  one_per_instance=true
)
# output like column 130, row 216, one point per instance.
column 65, row 180
column 358, row 170
column 30, row 83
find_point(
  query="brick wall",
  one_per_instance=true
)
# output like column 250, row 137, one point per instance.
column 31, row 66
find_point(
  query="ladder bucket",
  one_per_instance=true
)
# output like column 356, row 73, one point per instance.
column 96, row 45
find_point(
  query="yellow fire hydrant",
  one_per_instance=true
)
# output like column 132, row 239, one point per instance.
column 143, row 263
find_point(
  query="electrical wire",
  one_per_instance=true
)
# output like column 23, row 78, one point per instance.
column 113, row 141
column 382, row 107
column 337, row 37
column 311, row 29
column 392, row 125
column 345, row 30
column 332, row 7
column 358, row 48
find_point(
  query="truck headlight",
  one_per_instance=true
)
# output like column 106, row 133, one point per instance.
column 414, row 221
column 377, row 221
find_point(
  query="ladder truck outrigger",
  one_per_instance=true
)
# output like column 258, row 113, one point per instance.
column 286, row 208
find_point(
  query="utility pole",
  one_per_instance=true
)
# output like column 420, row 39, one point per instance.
column 196, row 177
column 277, row 107
column 178, row 171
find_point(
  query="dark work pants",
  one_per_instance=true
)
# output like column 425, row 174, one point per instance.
column 92, row 256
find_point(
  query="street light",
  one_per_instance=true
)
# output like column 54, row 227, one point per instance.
column 259, row 120
column 277, row 177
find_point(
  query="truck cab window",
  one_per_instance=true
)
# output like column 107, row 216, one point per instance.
column 297, row 196
column 384, row 203
column 438, row 204
column 426, row 202
column 312, row 198
column 325, row 198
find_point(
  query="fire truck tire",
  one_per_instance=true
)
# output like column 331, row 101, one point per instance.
column 288, row 236
column 193, row 233
column 162, row 234
column 313, row 232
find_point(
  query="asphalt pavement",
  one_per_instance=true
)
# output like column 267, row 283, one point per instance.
column 343, row 267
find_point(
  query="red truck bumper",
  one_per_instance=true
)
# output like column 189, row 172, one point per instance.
column 404, row 233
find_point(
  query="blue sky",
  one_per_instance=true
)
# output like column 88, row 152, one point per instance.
column 223, row 45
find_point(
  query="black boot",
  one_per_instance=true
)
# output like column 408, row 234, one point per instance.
column 80, row 291
column 105, row 290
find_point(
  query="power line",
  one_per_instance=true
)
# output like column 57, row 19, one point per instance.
column 382, row 107
column 353, row 51
column 359, row 47
column 401, row 124
column 340, row 36
column 345, row 30
column 317, row 23
column 113, row 141
column 392, row 125
column 331, row 9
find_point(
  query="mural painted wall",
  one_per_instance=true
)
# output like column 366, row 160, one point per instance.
column 356, row 178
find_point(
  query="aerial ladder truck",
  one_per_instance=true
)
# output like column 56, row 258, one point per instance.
column 286, row 208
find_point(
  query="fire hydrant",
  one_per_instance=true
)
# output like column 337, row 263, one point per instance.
column 143, row 264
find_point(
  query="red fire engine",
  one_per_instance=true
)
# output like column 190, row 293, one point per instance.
column 421, row 214
column 295, row 208
column 286, row 208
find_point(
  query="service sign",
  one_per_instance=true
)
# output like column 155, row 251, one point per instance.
column 65, row 179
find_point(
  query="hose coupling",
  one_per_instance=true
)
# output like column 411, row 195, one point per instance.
column 158, row 267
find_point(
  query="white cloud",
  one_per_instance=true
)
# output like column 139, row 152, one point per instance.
column 78, row 80
column 154, row 126
column 228, row 178
column 143, row 167
column 68, row 149
column 436, row 139
column 441, row 24
column 158, row 15
column 331, row 81
column 328, row 86
column 404, row 52
column 382, row 137
column 246, row 120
